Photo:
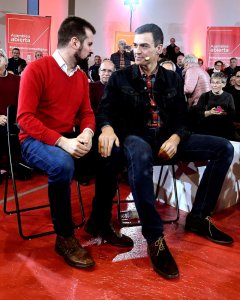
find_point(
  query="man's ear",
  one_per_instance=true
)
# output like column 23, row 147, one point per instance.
column 74, row 42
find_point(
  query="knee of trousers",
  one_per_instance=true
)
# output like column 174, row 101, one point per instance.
column 227, row 150
column 63, row 170
column 137, row 148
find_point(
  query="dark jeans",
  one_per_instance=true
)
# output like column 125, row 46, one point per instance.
column 141, row 153
column 60, row 167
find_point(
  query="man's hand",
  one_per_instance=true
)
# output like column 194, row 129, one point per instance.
column 86, row 138
column 169, row 147
column 106, row 140
column 3, row 120
column 77, row 147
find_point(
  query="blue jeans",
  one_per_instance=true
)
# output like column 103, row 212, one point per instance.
column 141, row 154
column 59, row 165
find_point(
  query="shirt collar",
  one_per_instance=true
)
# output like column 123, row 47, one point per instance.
column 60, row 61
column 144, row 75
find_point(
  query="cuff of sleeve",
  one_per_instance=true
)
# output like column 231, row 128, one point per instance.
column 89, row 130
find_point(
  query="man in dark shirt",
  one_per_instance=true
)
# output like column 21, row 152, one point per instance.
column 122, row 58
column 93, row 70
column 232, row 68
column 15, row 61
column 142, row 116
column 170, row 49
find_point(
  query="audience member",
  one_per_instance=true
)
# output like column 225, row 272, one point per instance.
column 93, row 70
column 96, row 89
column 196, row 80
column 200, row 62
column 53, row 94
column 215, row 110
column 180, row 65
column 21, row 68
column 9, row 87
column 122, row 58
column 232, row 80
column 15, row 61
column 235, row 92
column 177, row 52
column 164, row 53
column 38, row 55
column 170, row 49
column 232, row 68
column 142, row 116
column 218, row 67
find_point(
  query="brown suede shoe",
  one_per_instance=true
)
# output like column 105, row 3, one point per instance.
column 162, row 260
column 73, row 253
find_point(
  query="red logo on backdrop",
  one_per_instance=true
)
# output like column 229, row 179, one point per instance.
column 29, row 34
column 222, row 44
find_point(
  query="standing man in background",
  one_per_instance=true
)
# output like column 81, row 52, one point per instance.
column 122, row 58
column 93, row 70
column 15, row 61
column 53, row 95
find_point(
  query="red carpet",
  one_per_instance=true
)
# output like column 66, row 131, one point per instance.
column 32, row 270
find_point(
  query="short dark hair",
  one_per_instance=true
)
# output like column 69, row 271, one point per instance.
column 73, row 26
column 15, row 48
column 154, row 29
column 217, row 62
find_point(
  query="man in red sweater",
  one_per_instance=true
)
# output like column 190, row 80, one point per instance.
column 53, row 95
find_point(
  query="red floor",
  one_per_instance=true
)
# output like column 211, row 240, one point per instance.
column 32, row 270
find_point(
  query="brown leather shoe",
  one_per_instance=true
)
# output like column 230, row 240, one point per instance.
column 73, row 253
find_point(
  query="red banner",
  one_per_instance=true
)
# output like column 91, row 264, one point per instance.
column 29, row 34
column 222, row 44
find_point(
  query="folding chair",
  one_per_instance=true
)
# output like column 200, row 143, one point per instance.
column 12, row 138
column 123, row 215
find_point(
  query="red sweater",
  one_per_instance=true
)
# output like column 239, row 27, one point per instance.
column 9, row 87
column 50, row 101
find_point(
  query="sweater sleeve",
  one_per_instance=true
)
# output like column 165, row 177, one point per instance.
column 31, row 87
column 190, row 82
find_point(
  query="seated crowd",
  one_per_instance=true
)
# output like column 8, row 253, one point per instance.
column 140, row 108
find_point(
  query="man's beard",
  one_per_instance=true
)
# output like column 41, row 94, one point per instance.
column 77, row 56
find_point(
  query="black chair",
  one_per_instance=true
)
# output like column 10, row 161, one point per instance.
column 124, row 216
column 14, row 152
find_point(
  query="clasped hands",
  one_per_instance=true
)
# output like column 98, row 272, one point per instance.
column 78, row 146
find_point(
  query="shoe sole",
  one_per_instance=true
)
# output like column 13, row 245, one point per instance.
column 189, row 229
column 166, row 276
column 75, row 265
